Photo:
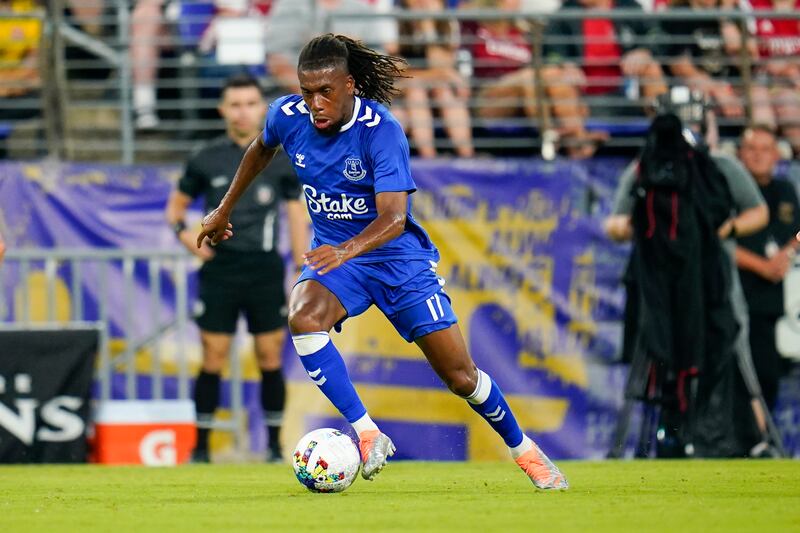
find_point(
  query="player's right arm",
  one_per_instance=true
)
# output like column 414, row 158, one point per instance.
column 216, row 225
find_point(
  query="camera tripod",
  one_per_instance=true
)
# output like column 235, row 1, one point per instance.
column 641, row 378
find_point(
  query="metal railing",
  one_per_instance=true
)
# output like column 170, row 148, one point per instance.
column 95, row 119
column 139, row 302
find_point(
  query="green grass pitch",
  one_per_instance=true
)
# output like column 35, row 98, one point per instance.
column 761, row 496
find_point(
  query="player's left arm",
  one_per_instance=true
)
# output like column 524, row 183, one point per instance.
column 388, row 225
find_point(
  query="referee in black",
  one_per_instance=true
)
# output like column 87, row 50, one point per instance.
column 244, row 275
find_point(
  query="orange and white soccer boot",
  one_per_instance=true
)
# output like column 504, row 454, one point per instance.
column 376, row 448
column 541, row 470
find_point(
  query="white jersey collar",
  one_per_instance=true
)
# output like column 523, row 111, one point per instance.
column 356, row 111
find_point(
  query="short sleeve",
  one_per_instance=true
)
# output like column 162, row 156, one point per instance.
column 741, row 184
column 388, row 151
column 285, row 177
column 623, row 201
column 193, row 182
column 271, row 133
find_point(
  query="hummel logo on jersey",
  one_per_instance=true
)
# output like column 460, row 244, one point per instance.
column 367, row 117
column 353, row 169
column 342, row 208
column 299, row 106
column 298, row 160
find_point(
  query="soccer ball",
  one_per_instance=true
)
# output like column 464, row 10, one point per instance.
column 326, row 460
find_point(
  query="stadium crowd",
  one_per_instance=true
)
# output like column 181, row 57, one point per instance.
column 583, row 78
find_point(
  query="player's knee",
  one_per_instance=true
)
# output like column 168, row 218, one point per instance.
column 304, row 319
column 462, row 381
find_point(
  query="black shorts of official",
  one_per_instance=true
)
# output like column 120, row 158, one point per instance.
column 241, row 283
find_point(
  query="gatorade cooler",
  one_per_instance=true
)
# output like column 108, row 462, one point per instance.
column 146, row 432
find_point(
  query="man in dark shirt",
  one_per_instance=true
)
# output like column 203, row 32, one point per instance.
column 609, row 52
column 703, row 53
column 244, row 275
column 764, row 257
column 607, row 62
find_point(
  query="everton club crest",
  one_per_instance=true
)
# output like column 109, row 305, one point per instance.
column 353, row 169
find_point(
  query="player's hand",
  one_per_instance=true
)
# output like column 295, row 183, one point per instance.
column 2, row 251
column 216, row 227
column 325, row 258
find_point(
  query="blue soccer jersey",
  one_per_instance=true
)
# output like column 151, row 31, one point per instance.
column 341, row 174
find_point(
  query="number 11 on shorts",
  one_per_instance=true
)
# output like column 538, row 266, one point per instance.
column 434, row 305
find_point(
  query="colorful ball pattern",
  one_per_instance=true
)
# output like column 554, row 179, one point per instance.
column 326, row 460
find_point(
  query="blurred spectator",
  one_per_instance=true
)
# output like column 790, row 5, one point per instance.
column 501, row 54
column 19, row 57
column 148, row 33
column 20, row 81
column 87, row 14
column 764, row 257
column 612, row 54
column 430, row 47
column 779, row 50
column 292, row 23
column 705, row 53
column 232, row 43
column 204, row 27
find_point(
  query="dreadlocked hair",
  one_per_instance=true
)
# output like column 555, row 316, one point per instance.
column 374, row 73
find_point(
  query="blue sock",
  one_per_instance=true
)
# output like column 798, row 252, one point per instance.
column 488, row 401
column 325, row 366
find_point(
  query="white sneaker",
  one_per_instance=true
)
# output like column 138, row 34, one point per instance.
column 146, row 121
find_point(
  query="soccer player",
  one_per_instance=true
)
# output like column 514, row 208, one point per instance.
column 351, row 157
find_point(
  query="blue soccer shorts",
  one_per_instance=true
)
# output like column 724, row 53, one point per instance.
column 407, row 291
